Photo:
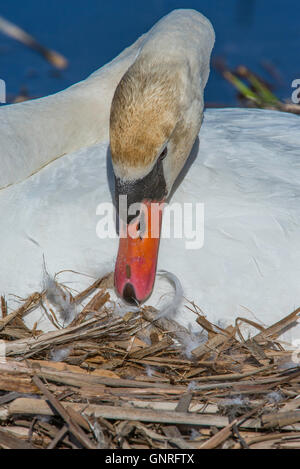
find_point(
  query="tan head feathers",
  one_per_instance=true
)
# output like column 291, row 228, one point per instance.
column 143, row 115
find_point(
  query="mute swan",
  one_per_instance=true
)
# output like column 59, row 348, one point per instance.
column 54, row 158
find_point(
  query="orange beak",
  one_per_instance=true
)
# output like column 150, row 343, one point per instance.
column 138, row 251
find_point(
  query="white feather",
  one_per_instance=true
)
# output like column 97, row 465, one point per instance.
column 60, row 354
column 59, row 298
column 275, row 397
column 170, row 308
column 192, row 386
column 149, row 371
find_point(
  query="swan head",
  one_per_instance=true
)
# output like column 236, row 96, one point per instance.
column 153, row 125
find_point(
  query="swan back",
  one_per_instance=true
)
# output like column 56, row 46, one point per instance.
column 36, row 132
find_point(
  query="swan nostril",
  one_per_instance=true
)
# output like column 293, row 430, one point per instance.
column 128, row 271
column 129, row 294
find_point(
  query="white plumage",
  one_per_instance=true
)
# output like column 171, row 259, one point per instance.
column 246, row 171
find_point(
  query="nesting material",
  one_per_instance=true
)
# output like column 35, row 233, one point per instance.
column 111, row 381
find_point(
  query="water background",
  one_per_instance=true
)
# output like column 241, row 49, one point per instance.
column 92, row 32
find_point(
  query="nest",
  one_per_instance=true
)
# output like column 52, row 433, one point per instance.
column 109, row 382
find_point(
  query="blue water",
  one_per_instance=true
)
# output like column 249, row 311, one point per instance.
column 91, row 32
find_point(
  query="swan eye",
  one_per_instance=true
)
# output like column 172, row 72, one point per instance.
column 163, row 154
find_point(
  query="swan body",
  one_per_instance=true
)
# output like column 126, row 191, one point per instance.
column 55, row 171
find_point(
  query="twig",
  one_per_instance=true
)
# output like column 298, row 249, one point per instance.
column 12, row 442
column 15, row 32
column 59, row 436
column 3, row 307
column 31, row 302
column 39, row 406
column 72, row 426
column 219, row 437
